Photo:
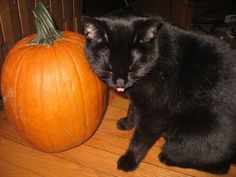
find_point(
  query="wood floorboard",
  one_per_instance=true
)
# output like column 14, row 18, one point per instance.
column 10, row 170
column 95, row 157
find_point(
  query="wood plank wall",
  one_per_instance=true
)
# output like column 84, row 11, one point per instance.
column 17, row 22
column 179, row 12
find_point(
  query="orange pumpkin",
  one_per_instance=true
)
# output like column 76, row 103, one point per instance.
column 50, row 94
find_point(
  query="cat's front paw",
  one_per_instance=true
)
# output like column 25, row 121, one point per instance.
column 124, row 124
column 164, row 159
column 127, row 163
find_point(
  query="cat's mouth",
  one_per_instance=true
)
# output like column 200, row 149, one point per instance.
column 120, row 89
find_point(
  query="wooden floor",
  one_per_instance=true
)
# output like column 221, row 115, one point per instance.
column 96, row 157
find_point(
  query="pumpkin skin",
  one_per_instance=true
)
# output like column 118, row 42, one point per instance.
column 50, row 93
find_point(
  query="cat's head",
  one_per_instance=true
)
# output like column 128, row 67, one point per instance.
column 121, row 50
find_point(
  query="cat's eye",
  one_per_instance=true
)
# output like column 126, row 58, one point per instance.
column 131, row 67
column 138, row 40
column 110, row 67
column 145, row 40
column 136, row 54
column 142, row 40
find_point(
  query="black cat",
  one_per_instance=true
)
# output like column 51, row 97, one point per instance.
column 182, row 86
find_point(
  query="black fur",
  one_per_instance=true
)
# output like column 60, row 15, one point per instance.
column 182, row 86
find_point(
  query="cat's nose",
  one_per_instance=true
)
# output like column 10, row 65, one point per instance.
column 120, row 82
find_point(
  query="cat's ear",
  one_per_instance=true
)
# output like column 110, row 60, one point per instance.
column 148, row 30
column 93, row 29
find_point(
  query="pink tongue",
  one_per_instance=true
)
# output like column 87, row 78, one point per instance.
column 119, row 89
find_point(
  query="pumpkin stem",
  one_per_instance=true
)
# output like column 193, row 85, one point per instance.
column 46, row 30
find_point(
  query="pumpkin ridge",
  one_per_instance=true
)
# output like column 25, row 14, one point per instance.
column 24, row 59
column 49, row 138
column 22, row 47
column 82, row 97
column 58, row 67
column 96, row 78
column 3, row 78
column 48, row 133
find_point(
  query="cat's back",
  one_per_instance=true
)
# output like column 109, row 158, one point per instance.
column 204, row 60
column 206, row 70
